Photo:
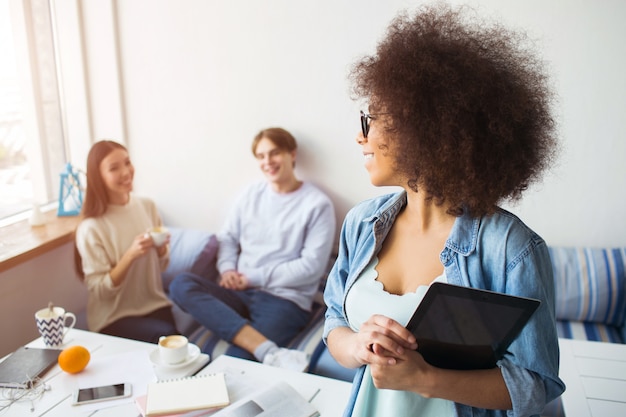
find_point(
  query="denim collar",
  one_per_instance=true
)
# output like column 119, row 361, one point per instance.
column 463, row 236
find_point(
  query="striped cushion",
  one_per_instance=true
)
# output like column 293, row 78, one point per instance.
column 588, row 331
column 590, row 284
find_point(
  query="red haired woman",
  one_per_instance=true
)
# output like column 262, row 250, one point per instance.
column 119, row 261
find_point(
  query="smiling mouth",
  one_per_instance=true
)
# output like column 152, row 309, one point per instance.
column 368, row 156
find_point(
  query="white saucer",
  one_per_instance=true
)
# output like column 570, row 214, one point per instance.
column 193, row 352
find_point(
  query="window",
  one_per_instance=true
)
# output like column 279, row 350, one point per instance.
column 32, row 150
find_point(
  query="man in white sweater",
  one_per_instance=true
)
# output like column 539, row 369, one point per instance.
column 274, row 249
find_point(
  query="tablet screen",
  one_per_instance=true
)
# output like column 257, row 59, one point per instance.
column 466, row 328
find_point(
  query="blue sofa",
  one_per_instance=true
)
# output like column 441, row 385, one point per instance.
column 590, row 286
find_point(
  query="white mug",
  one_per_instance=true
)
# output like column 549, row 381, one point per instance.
column 52, row 325
column 173, row 349
column 159, row 235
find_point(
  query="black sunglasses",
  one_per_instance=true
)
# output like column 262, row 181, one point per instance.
column 365, row 122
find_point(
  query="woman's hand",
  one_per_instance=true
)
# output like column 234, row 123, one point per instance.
column 233, row 280
column 410, row 372
column 385, row 338
column 162, row 250
column 139, row 247
column 380, row 340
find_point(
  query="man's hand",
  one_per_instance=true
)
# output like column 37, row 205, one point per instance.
column 233, row 280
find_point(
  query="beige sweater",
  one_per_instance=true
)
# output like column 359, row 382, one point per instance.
column 101, row 243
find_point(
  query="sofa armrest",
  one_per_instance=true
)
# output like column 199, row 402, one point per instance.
column 192, row 251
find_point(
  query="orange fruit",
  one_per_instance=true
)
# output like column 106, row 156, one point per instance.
column 74, row 359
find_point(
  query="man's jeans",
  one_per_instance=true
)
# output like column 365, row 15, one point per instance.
column 224, row 312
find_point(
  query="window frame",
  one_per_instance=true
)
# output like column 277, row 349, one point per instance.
column 36, row 50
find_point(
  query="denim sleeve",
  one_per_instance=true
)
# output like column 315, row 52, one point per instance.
column 530, row 367
column 335, row 288
column 357, row 244
column 527, row 390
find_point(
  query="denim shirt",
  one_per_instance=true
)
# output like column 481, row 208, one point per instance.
column 496, row 252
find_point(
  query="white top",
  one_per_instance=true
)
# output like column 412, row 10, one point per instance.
column 101, row 242
column 365, row 298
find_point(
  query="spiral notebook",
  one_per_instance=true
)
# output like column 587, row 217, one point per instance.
column 186, row 394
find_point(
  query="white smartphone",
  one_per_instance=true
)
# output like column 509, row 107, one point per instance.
column 102, row 393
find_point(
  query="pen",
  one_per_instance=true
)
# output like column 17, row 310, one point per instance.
column 315, row 394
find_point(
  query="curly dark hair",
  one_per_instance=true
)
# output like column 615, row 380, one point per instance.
column 469, row 107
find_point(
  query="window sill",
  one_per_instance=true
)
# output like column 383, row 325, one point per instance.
column 21, row 242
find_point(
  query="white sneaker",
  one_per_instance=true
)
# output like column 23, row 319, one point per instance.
column 288, row 359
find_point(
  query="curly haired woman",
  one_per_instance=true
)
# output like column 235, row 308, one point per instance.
column 459, row 117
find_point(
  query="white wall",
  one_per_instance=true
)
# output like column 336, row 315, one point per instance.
column 186, row 84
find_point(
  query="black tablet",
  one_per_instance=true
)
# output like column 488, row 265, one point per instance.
column 466, row 328
column 24, row 367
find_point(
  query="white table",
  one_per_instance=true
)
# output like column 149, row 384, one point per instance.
column 330, row 395
column 595, row 375
column 57, row 400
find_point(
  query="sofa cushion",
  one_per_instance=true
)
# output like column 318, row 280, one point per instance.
column 596, row 332
column 192, row 251
column 590, row 284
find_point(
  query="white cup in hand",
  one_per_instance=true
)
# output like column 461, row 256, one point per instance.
column 173, row 349
column 159, row 235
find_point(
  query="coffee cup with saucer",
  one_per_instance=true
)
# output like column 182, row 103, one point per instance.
column 174, row 351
